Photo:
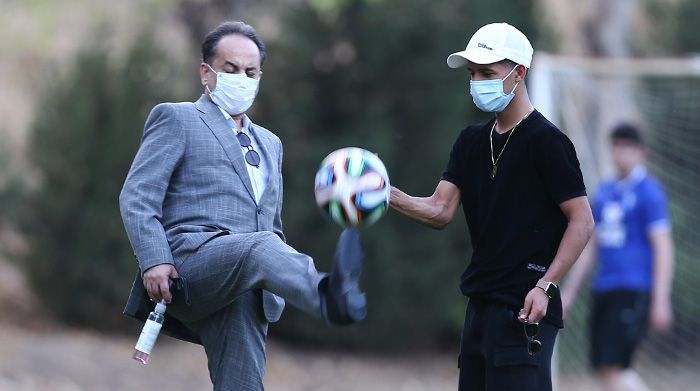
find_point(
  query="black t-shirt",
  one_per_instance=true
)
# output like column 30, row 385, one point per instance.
column 514, row 219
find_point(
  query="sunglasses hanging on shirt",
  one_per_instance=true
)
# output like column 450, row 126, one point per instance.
column 251, row 156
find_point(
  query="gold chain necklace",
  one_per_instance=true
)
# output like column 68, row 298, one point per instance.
column 494, row 162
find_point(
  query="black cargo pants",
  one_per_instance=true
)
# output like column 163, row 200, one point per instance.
column 494, row 354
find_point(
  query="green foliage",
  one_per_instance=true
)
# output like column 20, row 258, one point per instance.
column 686, row 37
column 374, row 75
column 83, row 141
column 12, row 188
column 673, row 28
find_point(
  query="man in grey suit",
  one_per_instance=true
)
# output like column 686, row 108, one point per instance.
column 203, row 200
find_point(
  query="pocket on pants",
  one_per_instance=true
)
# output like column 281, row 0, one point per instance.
column 516, row 356
column 515, row 369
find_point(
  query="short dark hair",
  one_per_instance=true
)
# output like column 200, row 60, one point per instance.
column 509, row 63
column 229, row 28
column 627, row 132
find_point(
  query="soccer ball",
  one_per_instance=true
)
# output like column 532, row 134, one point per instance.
column 352, row 187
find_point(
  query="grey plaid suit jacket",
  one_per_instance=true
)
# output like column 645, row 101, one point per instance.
column 189, row 184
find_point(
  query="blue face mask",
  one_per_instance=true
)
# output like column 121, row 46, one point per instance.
column 488, row 95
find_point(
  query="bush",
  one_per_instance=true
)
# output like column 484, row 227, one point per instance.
column 84, row 138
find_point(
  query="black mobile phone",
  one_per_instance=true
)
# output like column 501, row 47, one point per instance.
column 179, row 291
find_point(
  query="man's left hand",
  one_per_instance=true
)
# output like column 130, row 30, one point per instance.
column 535, row 306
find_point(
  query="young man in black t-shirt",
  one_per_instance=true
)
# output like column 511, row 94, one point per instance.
column 518, row 179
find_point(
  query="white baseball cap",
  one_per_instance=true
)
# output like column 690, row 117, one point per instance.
column 493, row 43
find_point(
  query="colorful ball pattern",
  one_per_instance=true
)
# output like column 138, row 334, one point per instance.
column 352, row 187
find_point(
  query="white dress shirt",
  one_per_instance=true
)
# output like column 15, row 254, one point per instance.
column 258, row 175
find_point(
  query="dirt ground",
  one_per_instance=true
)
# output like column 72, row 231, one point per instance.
column 69, row 360
column 65, row 360
column 35, row 356
column 38, row 356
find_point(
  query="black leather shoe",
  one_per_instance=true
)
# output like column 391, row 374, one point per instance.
column 342, row 302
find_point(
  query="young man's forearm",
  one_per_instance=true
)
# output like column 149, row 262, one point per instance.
column 577, row 234
column 435, row 211
column 420, row 209
column 579, row 272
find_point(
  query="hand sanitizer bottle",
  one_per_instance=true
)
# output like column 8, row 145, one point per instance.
column 149, row 333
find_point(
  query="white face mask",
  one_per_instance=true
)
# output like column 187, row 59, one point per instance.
column 234, row 92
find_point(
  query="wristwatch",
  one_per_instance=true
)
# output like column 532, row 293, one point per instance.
column 550, row 288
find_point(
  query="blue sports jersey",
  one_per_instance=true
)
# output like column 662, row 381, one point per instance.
column 626, row 211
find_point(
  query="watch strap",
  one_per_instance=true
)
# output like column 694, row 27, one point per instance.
column 549, row 288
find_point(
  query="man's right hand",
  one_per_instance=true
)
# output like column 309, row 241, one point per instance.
column 156, row 280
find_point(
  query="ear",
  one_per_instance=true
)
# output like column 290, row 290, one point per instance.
column 203, row 73
column 520, row 72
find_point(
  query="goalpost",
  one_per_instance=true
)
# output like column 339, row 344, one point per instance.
column 585, row 97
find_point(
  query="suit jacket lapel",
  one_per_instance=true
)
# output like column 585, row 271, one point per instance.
column 216, row 122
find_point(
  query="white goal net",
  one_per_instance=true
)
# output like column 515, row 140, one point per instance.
column 585, row 98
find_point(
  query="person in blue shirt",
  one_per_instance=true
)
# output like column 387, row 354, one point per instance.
column 634, row 252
